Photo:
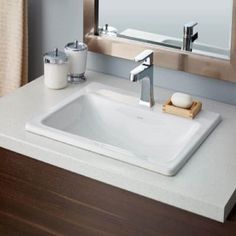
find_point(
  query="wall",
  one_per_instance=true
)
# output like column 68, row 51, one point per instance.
column 52, row 23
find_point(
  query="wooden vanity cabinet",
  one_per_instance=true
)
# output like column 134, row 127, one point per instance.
column 40, row 199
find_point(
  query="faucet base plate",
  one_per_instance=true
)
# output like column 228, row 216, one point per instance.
column 147, row 104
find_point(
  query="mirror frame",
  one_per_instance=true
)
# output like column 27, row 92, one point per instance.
column 163, row 56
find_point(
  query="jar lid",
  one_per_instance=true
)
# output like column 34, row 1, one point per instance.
column 108, row 30
column 55, row 57
column 76, row 46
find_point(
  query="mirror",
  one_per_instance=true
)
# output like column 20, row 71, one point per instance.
column 213, row 52
column 162, row 23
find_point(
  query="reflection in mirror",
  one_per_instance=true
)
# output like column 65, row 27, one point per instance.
column 162, row 22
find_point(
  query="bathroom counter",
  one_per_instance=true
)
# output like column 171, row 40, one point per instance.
column 206, row 185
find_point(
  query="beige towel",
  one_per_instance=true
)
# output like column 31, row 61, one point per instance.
column 13, row 45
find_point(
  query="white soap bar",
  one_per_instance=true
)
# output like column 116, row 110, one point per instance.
column 182, row 100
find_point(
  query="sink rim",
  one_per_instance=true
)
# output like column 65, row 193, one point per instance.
column 36, row 126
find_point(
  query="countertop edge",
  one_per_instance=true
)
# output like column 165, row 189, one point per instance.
column 27, row 149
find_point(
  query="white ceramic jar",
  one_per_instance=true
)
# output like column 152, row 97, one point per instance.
column 77, row 55
column 56, row 69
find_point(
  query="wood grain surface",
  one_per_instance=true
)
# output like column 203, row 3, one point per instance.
column 40, row 199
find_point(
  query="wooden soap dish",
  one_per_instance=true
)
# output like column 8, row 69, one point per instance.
column 187, row 113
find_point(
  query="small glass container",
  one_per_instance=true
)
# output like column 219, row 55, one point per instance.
column 56, row 69
column 108, row 31
column 77, row 54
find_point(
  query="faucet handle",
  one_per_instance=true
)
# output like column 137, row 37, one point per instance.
column 188, row 28
column 191, row 24
column 146, row 56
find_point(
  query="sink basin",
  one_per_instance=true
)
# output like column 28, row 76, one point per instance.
column 110, row 122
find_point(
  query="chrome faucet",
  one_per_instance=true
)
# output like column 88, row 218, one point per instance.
column 144, row 73
column 189, row 37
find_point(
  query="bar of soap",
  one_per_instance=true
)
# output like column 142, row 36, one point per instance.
column 182, row 100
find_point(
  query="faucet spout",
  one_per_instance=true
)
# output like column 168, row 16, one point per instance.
column 189, row 37
column 144, row 73
column 147, row 94
column 136, row 73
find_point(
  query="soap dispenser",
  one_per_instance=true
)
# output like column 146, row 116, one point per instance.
column 77, row 54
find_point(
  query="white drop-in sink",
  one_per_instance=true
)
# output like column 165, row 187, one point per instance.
column 110, row 122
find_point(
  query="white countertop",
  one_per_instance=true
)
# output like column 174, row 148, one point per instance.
column 206, row 185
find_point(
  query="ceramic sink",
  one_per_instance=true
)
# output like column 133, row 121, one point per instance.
column 111, row 122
